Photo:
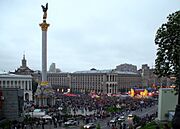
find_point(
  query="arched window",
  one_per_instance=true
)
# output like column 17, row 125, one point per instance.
column 27, row 97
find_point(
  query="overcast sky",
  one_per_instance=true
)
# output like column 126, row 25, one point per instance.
column 83, row 33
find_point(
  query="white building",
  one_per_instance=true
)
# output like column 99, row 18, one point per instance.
column 17, row 81
column 166, row 103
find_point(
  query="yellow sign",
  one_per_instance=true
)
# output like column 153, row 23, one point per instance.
column 44, row 83
column 145, row 92
column 132, row 92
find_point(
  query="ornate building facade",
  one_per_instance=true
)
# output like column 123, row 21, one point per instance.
column 17, row 81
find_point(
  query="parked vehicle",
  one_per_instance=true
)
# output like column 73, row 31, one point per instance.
column 114, row 120
column 90, row 126
column 121, row 118
column 71, row 122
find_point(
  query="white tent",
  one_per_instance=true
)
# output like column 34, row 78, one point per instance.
column 37, row 113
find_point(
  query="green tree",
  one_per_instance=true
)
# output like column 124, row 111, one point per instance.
column 168, row 54
column 98, row 126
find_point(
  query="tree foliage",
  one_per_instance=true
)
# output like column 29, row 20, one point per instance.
column 167, row 40
column 98, row 126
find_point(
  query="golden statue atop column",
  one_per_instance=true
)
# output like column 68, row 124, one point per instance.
column 44, row 26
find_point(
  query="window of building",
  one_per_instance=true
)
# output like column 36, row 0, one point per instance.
column 3, row 83
column 11, row 83
column 8, row 83
column 26, row 85
column 15, row 82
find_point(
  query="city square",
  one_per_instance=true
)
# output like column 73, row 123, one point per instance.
column 142, row 93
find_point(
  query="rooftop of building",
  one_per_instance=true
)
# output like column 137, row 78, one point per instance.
column 39, row 72
column 9, row 75
column 105, row 71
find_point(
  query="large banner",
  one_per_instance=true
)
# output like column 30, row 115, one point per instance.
column 44, row 83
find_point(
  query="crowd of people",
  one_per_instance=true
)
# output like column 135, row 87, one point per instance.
column 100, row 106
column 93, row 108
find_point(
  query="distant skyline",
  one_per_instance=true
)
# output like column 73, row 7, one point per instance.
column 83, row 34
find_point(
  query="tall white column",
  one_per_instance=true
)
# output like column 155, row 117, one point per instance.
column 44, row 56
column 44, row 26
column 24, row 85
column 27, row 85
column 21, row 84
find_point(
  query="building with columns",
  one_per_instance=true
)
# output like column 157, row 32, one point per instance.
column 103, row 81
column 17, row 81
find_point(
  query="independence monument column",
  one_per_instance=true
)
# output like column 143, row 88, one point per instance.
column 44, row 96
column 44, row 27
